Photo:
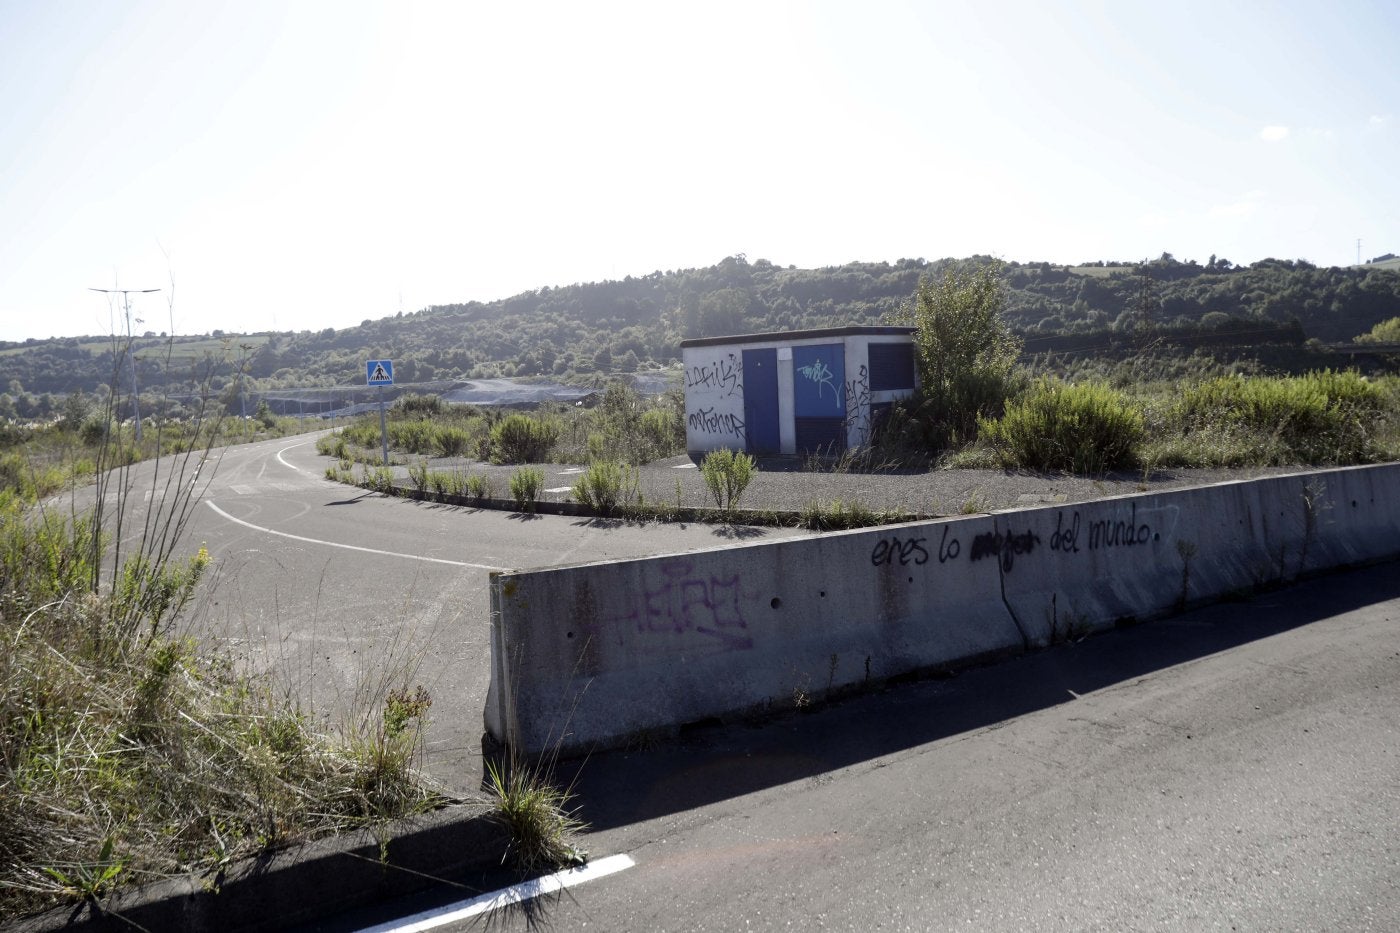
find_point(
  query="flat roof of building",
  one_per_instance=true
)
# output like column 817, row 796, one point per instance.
column 856, row 330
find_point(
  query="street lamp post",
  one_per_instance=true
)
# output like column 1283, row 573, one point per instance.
column 126, row 294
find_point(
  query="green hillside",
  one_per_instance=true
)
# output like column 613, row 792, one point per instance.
column 582, row 331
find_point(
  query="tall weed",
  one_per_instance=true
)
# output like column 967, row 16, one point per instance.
column 727, row 474
column 1318, row 418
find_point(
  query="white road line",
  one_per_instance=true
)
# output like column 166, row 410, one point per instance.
column 292, row 447
column 462, row 910
column 349, row 547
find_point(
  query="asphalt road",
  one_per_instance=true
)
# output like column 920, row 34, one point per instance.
column 339, row 594
column 1235, row 768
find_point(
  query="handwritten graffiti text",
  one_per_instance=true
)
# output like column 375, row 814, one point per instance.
column 709, row 421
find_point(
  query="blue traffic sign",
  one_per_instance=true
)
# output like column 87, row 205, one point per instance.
column 379, row 372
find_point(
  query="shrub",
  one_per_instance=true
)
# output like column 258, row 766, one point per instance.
column 1387, row 331
column 333, row 445
column 727, row 475
column 452, row 442
column 1318, row 418
column 415, row 437
column 418, row 405
column 93, row 431
column 478, row 486
column 842, row 514
column 418, row 476
column 966, row 351
column 605, row 485
column 522, row 439
column 1079, row 428
column 526, row 484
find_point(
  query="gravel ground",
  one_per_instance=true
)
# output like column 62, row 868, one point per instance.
column 784, row 485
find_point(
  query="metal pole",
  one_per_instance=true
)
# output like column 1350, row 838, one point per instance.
column 130, row 354
column 383, row 430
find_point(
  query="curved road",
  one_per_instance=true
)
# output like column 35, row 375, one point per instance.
column 341, row 594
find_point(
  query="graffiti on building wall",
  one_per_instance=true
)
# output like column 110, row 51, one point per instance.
column 820, row 373
column 709, row 421
column 858, row 407
column 714, row 401
column 724, row 375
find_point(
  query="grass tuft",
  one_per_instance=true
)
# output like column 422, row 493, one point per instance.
column 537, row 814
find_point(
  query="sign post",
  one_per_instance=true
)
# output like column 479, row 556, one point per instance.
column 381, row 373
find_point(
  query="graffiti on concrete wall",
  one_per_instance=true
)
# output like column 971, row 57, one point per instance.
column 677, row 601
column 1117, row 536
column 714, row 401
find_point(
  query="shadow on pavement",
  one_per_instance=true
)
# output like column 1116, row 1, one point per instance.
column 352, row 500
column 738, row 532
column 709, row 763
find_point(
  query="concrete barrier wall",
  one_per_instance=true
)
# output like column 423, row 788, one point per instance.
column 588, row 655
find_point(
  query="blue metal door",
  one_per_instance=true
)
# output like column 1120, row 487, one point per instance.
column 819, row 397
column 761, row 401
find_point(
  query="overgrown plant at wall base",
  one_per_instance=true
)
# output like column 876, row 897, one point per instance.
column 526, row 484
column 606, row 485
column 538, row 816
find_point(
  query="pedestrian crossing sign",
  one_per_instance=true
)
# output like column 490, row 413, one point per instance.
column 379, row 372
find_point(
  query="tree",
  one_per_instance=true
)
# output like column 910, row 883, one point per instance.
column 76, row 407
column 1384, row 332
column 965, row 349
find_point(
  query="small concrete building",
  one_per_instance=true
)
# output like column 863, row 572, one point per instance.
column 795, row 392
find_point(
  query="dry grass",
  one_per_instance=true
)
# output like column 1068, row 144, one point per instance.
column 131, row 752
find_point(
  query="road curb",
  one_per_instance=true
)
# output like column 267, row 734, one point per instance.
column 293, row 886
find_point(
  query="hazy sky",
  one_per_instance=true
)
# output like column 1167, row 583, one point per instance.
column 305, row 165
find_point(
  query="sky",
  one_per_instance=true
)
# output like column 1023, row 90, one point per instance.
column 283, row 165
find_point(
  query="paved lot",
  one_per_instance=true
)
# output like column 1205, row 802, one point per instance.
column 788, row 484
column 340, row 594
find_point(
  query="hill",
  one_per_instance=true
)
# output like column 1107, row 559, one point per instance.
column 583, row 331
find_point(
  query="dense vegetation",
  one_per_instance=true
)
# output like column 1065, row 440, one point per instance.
column 130, row 748
column 584, row 331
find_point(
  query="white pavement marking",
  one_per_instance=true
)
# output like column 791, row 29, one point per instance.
column 292, row 447
column 560, row 489
column 451, row 913
column 570, row 471
column 349, row 547
column 684, row 466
